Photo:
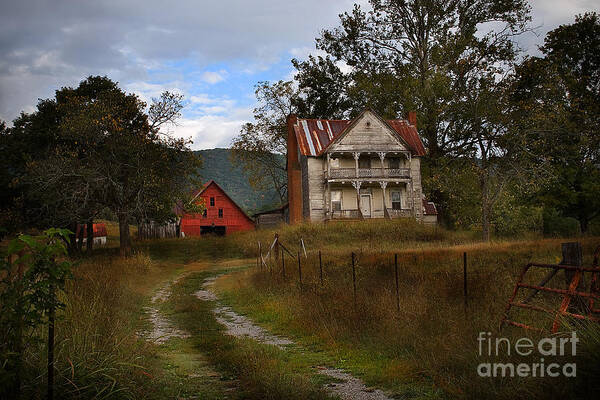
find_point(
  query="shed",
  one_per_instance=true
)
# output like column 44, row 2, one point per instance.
column 271, row 218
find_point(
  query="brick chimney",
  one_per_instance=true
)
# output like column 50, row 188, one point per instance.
column 412, row 118
column 294, row 188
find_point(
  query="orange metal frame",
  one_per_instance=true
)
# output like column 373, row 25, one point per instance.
column 568, row 295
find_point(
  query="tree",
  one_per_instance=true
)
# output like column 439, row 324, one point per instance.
column 559, row 99
column 99, row 149
column 260, row 144
column 433, row 49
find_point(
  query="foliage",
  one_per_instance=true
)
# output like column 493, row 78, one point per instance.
column 431, row 52
column 559, row 108
column 32, row 277
column 94, row 147
column 259, row 144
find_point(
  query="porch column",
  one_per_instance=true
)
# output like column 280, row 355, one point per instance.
column 381, row 155
column 383, row 185
column 357, row 185
column 356, row 157
column 328, row 200
column 328, row 166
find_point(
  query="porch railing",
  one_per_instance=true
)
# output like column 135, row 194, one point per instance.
column 347, row 173
column 349, row 214
column 399, row 213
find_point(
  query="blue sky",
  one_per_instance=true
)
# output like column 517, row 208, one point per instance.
column 211, row 52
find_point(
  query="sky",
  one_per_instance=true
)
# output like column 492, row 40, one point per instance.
column 212, row 52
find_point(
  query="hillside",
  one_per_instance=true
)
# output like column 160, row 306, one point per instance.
column 218, row 166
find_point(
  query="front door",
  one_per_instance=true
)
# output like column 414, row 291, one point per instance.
column 365, row 205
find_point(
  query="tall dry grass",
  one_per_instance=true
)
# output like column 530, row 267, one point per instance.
column 431, row 338
column 98, row 354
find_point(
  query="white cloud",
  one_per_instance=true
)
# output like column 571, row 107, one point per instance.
column 213, row 77
column 210, row 131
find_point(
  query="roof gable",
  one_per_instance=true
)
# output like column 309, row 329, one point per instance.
column 215, row 184
column 370, row 132
column 315, row 136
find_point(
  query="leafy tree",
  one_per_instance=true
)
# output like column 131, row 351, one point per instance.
column 99, row 149
column 31, row 275
column 323, row 89
column 432, row 50
column 259, row 144
column 559, row 99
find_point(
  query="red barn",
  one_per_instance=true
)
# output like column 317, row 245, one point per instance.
column 222, row 215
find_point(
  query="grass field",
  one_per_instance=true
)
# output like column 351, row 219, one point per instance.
column 426, row 349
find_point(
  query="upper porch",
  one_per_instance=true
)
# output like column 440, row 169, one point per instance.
column 365, row 166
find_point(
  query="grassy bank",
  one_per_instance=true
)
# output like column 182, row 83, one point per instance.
column 430, row 341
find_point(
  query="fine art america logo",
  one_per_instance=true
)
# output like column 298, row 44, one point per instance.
column 546, row 347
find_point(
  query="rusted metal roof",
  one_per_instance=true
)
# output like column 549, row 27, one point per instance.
column 315, row 135
column 429, row 207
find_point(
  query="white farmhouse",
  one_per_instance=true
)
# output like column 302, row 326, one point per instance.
column 367, row 167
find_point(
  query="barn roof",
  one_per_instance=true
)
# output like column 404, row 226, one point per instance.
column 315, row 135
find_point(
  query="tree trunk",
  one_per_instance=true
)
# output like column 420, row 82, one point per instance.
column 583, row 224
column 73, row 238
column 124, row 242
column 90, row 234
column 485, row 206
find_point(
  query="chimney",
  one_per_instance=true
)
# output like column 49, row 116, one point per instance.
column 412, row 118
column 294, row 187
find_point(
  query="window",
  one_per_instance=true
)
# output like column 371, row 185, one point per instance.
column 336, row 200
column 334, row 163
column 220, row 213
column 204, row 213
column 364, row 162
column 212, row 201
column 394, row 162
column 396, row 200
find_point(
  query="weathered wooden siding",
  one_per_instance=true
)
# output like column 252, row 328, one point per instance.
column 369, row 134
column 316, row 188
column 152, row 230
column 415, row 172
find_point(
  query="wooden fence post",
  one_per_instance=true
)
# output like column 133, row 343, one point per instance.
column 299, row 270
column 397, row 286
column 320, row 268
column 465, row 279
column 51, row 315
column 283, row 263
column 354, row 278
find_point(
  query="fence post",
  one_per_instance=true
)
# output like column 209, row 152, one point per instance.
column 260, row 261
column 51, row 318
column 397, row 287
column 283, row 263
column 465, row 279
column 354, row 278
column 299, row 270
column 320, row 268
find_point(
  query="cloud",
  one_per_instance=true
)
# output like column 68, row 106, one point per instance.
column 212, row 131
column 49, row 44
column 213, row 77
